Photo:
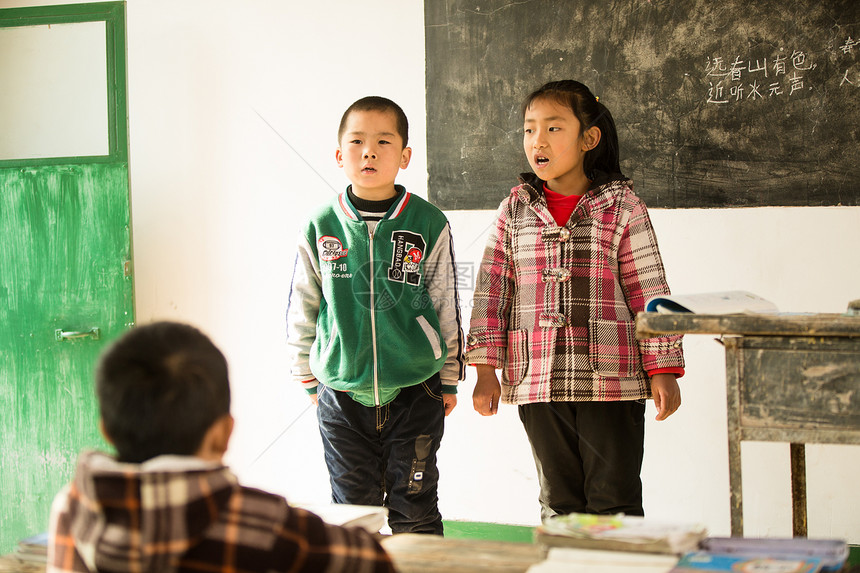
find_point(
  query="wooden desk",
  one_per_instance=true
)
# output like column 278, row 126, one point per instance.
column 412, row 553
column 789, row 378
column 415, row 553
column 11, row 564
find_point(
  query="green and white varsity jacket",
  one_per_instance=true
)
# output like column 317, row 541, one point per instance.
column 373, row 312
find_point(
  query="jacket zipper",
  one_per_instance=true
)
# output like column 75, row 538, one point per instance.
column 376, row 400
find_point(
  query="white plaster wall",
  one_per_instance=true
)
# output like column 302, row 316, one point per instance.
column 233, row 112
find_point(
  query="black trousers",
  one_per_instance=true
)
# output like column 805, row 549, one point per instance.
column 588, row 455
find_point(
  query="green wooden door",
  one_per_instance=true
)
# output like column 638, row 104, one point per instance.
column 65, row 245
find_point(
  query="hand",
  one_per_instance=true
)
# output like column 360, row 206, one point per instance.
column 449, row 401
column 667, row 395
column 485, row 397
column 313, row 396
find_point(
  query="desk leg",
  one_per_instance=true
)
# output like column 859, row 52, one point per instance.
column 733, row 368
column 735, row 485
column 798, row 490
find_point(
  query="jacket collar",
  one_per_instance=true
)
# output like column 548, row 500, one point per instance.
column 598, row 179
column 531, row 189
column 173, row 498
column 394, row 211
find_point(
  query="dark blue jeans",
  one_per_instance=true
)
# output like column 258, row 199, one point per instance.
column 386, row 455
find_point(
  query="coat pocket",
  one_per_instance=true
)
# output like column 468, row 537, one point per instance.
column 432, row 337
column 612, row 348
column 329, row 344
column 517, row 356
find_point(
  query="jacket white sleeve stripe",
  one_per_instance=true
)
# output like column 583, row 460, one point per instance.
column 441, row 283
column 302, row 310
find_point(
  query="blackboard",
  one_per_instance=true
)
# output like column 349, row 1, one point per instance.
column 718, row 103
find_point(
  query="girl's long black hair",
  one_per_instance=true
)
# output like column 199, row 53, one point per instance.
column 590, row 113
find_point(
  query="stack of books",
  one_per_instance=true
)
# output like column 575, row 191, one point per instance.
column 587, row 543
column 31, row 556
column 619, row 533
column 796, row 555
column 618, row 543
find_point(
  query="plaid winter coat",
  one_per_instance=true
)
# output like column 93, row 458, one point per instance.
column 554, row 307
column 176, row 513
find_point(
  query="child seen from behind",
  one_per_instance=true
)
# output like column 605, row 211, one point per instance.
column 166, row 502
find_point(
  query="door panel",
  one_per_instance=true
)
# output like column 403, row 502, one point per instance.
column 64, row 247
column 65, row 281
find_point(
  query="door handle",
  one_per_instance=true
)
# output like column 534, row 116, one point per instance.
column 61, row 334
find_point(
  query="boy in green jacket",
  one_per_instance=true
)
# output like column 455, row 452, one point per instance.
column 374, row 325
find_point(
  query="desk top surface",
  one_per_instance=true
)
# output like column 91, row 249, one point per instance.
column 653, row 324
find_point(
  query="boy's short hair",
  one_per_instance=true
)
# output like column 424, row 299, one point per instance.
column 160, row 388
column 377, row 103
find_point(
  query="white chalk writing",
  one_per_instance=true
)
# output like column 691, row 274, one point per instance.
column 763, row 77
column 779, row 76
column 847, row 63
column 848, row 46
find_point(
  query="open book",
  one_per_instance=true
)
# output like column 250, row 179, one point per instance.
column 369, row 517
column 728, row 302
column 572, row 560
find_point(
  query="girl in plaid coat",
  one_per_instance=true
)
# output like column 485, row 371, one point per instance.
column 571, row 260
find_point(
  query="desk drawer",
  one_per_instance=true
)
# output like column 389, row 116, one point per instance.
column 810, row 383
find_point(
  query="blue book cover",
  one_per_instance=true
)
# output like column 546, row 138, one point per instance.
column 832, row 552
column 702, row 561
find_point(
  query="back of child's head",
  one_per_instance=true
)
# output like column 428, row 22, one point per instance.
column 591, row 113
column 380, row 104
column 160, row 388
